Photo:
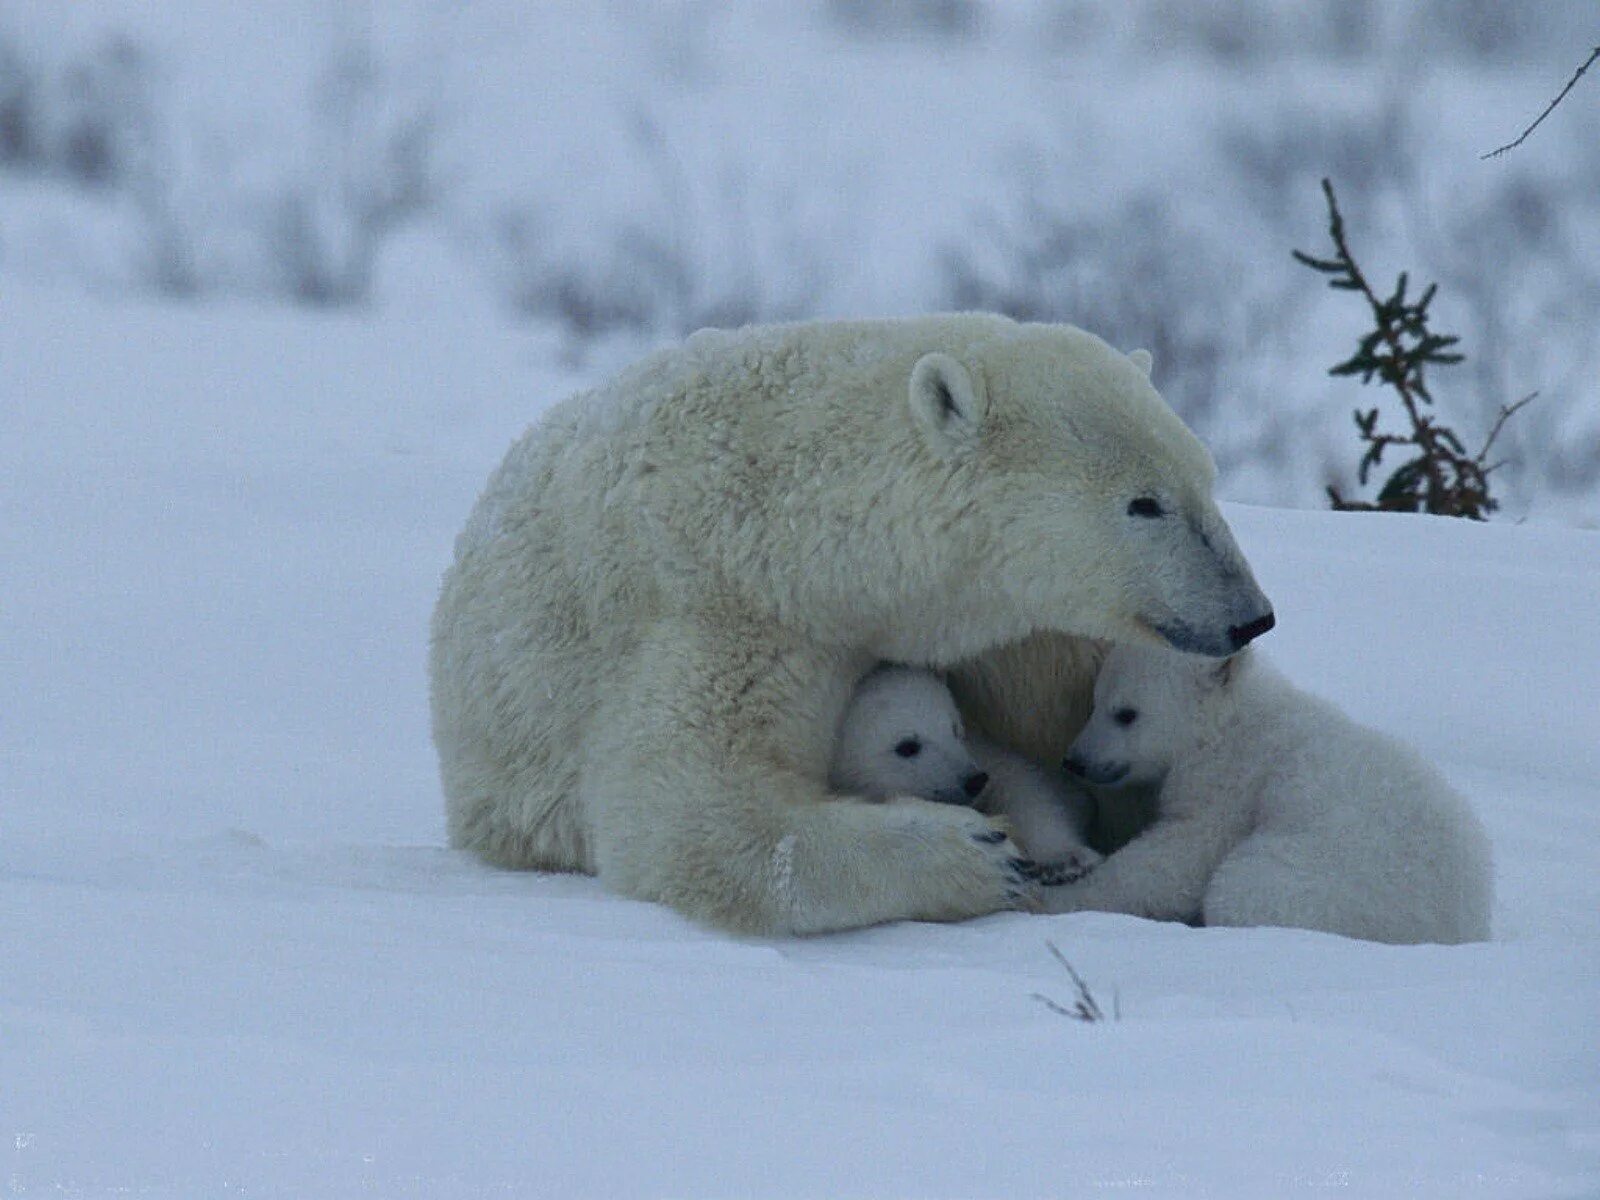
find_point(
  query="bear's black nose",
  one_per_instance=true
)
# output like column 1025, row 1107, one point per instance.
column 1242, row 635
column 1072, row 765
column 975, row 783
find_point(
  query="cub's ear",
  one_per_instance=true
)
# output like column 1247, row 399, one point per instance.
column 1143, row 360
column 946, row 406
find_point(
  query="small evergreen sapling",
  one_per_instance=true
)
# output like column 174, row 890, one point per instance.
column 1440, row 477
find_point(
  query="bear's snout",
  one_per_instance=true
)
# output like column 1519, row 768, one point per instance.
column 1075, row 764
column 1242, row 635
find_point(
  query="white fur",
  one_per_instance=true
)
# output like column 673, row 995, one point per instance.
column 898, row 708
column 668, row 589
column 1275, row 809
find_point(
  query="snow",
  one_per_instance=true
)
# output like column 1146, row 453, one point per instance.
column 239, row 961
column 636, row 171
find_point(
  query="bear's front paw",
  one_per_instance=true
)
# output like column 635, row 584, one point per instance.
column 964, row 863
column 1019, row 874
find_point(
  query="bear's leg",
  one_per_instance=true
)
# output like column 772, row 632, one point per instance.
column 518, row 820
column 1303, row 882
column 1047, row 813
column 1161, row 874
column 704, row 788
column 1263, row 883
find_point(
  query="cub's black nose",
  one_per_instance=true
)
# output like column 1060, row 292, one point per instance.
column 1242, row 635
column 975, row 783
column 1072, row 765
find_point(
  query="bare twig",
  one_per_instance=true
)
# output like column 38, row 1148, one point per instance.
column 1059, row 1009
column 1549, row 108
column 1506, row 412
column 1085, row 1007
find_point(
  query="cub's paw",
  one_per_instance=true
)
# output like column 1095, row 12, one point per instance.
column 1068, row 869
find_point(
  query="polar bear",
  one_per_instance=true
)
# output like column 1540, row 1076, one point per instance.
column 668, row 589
column 902, row 735
column 1274, row 809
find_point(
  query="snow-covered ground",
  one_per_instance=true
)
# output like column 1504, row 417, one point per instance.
column 237, row 959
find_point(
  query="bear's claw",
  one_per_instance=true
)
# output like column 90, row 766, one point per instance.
column 1023, row 890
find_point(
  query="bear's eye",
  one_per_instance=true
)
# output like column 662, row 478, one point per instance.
column 1145, row 506
column 1125, row 716
column 908, row 747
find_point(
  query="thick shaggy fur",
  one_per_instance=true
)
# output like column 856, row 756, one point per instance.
column 668, row 590
column 902, row 735
column 1275, row 809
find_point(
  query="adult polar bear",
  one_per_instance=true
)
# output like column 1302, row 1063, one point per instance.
column 666, row 593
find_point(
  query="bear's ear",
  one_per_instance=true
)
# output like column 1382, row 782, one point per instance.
column 945, row 405
column 1144, row 360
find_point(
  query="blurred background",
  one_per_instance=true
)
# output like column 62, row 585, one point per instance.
column 605, row 175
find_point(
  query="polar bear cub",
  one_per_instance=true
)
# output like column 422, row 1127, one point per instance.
column 902, row 735
column 1274, row 809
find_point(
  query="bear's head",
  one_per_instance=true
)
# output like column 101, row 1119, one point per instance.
column 901, row 735
column 1090, row 502
column 1151, row 707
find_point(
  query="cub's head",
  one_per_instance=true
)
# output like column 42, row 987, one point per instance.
column 1150, row 705
column 902, row 736
column 1095, row 498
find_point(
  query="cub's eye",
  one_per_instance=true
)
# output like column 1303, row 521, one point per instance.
column 908, row 748
column 1145, row 506
column 1125, row 716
